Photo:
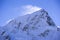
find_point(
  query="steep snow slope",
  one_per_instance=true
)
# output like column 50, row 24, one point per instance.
column 35, row 26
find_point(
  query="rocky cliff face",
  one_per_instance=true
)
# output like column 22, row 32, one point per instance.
column 35, row 26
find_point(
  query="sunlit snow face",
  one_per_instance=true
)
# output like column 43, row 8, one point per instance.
column 58, row 26
column 8, row 21
column 28, row 9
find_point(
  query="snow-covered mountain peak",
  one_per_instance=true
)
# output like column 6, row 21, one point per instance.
column 35, row 26
column 38, row 16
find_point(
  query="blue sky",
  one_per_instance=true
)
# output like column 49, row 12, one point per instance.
column 12, row 8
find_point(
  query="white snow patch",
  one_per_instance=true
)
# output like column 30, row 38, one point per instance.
column 8, row 21
column 58, row 26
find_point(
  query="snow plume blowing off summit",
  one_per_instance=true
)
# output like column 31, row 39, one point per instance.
column 28, row 9
column 38, row 25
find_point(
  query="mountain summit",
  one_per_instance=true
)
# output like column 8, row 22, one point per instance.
column 35, row 26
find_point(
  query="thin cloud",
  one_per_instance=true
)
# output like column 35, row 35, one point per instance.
column 28, row 9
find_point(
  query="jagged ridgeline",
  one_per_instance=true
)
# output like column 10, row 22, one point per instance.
column 36, row 26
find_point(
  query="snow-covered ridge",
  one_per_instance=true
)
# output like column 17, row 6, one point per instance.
column 35, row 26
